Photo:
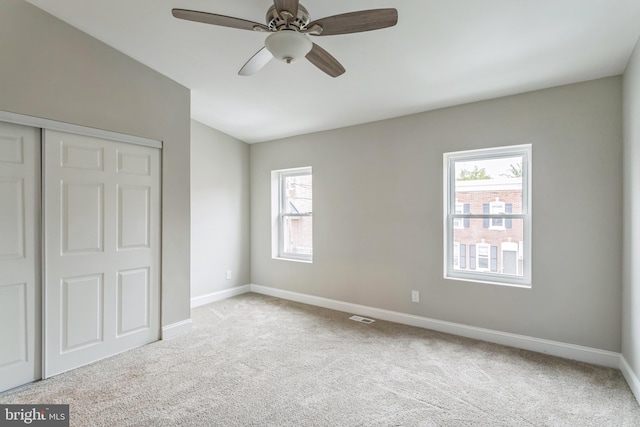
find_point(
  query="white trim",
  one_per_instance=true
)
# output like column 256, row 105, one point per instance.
column 21, row 119
column 631, row 377
column 568, row 351
column 176, row 329
column 304, row 261
column 219, row 295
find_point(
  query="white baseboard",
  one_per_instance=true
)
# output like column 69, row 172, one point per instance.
column 176, row 329
column 568, row 351
column 219, row 295
column 631, row 377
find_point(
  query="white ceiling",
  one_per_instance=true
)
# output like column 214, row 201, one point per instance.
column 441, row 53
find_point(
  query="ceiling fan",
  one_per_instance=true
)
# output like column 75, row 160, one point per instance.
column 289, row 26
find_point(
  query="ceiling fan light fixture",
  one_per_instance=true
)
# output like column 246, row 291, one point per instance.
column 288, row 45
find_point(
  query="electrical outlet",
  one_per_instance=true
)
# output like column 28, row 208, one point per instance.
column 415, row 296
column 228, row 274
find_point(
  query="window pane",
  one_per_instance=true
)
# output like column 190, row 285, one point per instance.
column 490, row 185
column 297, row 194
column 297, row 235
column 498, row 251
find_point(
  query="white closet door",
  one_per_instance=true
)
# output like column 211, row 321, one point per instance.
column 102, row 248
column 20, row 349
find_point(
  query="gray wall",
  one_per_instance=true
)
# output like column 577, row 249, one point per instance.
column 631, row 275
column 219, row 211
column 54, row 71
column 378, row 228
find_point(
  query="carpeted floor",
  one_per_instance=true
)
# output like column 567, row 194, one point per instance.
column 254, row 360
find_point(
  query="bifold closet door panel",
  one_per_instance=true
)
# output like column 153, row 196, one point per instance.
column 20, row 348
column 102, row 248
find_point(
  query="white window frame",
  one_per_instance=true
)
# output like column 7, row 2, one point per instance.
column 450, row 215
column 279, row 214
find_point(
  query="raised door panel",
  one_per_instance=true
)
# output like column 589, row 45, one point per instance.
column 12, row 218
column 77, row 156
column 11, row 147
column 134, row 163
column 134, row 292
column 82, row 305
column 14, row 312
column 82, row 218
column 134, row 222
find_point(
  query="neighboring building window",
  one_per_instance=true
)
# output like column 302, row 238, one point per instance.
column 458, row 222
column 487, row 198
column 461, row 222
column 482, row 253
column 292, row 203
column 456, row 255
column 459, row 256
column 497, row 208
column 463, row 256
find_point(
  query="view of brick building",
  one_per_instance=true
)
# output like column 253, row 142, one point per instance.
column 490, row 245
column 297, row 225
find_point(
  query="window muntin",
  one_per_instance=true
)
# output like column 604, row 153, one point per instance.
column 493, row 187
column 294, row 214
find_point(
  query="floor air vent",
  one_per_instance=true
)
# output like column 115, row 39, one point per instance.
column 361, row 319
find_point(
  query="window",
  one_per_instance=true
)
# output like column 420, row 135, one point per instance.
column 292, row 214
column 482, row 253
column 459, row 256
column 487, row 209
column 497, row 208
column 458, row 222
column 456, row 255
column 461, row 222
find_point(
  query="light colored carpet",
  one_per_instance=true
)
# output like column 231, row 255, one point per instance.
column 260, row 361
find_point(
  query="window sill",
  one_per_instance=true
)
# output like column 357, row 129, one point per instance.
column 304, row 261
column 524, row 285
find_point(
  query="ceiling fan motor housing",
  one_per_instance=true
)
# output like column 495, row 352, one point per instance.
column 276, row 22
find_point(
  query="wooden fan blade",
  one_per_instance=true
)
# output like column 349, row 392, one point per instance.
column 323, row 60
column 290, row 6
column 255, row 64
column 357, row 22
column 221, row 20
